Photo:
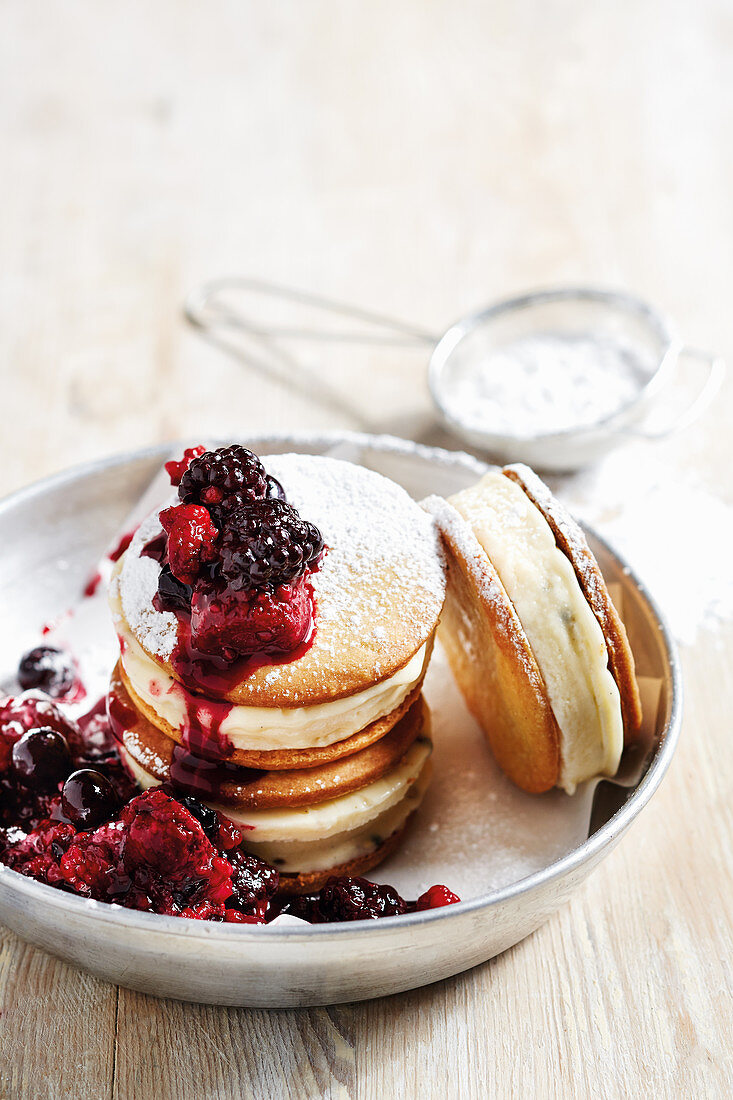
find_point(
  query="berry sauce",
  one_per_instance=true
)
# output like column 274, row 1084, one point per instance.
column 201, row 777
column 118, row 550
column 71, row 817
column 214, row 671
column 92, row 585
column 235, row 561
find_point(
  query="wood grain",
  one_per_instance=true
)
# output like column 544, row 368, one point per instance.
column 421, row 160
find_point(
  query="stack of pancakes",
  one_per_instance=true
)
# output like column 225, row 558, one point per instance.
column 323, row 758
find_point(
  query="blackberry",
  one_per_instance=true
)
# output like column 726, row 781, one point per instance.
column 254, row 882
column 358, row 899
column 223, row 480
column 275, row 490
column 207, row 818
column 267, row 544
column 172, row 595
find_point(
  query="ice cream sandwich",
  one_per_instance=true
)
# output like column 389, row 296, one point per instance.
column 533, row 638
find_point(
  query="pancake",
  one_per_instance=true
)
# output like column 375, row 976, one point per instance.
column 552, row 608
column 257, row 730
column 277, row 759
column 252, row 789
column 322, row 837
column 311, row 881
column 379, row 590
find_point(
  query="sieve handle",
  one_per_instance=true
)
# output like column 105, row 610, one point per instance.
column 715, row 374
column 207, row 308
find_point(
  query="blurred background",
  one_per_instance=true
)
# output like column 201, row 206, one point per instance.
column 418, row 159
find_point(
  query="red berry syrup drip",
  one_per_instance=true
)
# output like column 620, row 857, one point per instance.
column 203, row 778
column 202, row 733
column 204, row 672
column 90, row 588
column 121, row 718
column 117, row 551
column 155, row 548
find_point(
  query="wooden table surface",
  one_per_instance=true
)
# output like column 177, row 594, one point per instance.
column 422, row 160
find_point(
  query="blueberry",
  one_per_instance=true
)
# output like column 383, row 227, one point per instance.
column 41, row 758
column 47, row 669
column 88, row 798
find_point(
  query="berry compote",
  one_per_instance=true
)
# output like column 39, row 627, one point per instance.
column 235, row 565
column 71, row 817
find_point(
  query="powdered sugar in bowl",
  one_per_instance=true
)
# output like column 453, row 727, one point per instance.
column 558, row 377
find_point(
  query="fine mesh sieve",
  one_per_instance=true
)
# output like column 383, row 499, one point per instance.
column 480, row 343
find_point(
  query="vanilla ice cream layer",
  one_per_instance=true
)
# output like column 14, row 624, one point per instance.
column 257, row 729
column 309, row 838
column 562, row 631
column 295, row 857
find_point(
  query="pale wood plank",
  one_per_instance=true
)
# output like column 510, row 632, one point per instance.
column 57, row 1027
column 168, row 1049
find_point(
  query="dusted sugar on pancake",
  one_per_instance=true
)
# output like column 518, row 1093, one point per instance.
column 378, row 593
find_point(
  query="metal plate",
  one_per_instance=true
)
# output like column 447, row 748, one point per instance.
column 50, row 537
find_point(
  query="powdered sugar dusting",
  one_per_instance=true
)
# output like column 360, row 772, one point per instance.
column 383, row 552
column 156, row 630
column 382, row 547
column 144, row 755
column 486, row 581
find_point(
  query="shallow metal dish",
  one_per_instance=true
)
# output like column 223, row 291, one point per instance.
column 50, row 536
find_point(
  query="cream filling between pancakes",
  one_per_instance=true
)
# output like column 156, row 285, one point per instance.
column 562, row 631
column 266, row 728
column 319, row 855
column 310, row 838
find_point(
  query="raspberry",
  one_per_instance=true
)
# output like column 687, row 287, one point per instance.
column 232, row 624
column 33, row 709
column 38, row 854
column 91, row 864
column 176, row 469
column 436, row 897
column 155, row 857
column 267, row 544
column 224, row 480
column 191, row 540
